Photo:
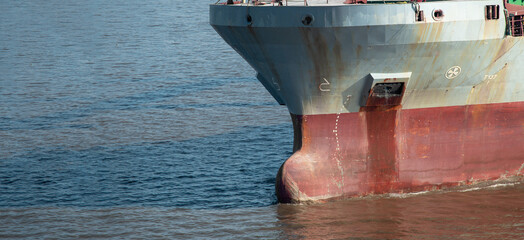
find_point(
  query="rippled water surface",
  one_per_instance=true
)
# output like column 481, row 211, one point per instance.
column 124, row 119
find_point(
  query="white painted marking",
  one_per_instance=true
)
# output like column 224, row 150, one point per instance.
column 490, row 77
column 453, row 72
column 338, row 117
column 322, row 86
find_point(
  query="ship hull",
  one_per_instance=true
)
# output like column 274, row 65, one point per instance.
column 382, row 102
column 399, row 150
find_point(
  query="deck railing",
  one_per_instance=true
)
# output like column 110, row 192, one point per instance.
column 516, row 25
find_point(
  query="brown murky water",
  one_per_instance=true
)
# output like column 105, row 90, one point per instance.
column 495, row 212
column 133, row 119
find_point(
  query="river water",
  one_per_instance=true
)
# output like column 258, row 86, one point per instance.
column 133, row 119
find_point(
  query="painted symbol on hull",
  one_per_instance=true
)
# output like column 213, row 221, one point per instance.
column 324, row 87
column 453, row 72
column 490, row 77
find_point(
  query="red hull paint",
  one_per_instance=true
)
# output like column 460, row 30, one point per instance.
column 397, row 150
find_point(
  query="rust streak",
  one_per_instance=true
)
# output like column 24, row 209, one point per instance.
column 317, row 50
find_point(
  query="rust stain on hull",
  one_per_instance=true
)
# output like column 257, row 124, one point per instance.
column 450, row 127
column 316, row 47
column 402, row 151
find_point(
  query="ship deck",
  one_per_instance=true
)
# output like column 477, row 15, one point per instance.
column 315, row 3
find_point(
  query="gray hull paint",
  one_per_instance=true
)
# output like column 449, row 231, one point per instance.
column 329, row 66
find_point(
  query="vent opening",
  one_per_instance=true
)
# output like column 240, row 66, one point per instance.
column 307, row 20
column 419, row 16
column 492, row 12
column 438, row 14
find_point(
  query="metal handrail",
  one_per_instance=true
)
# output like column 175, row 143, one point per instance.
column 517, row 26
